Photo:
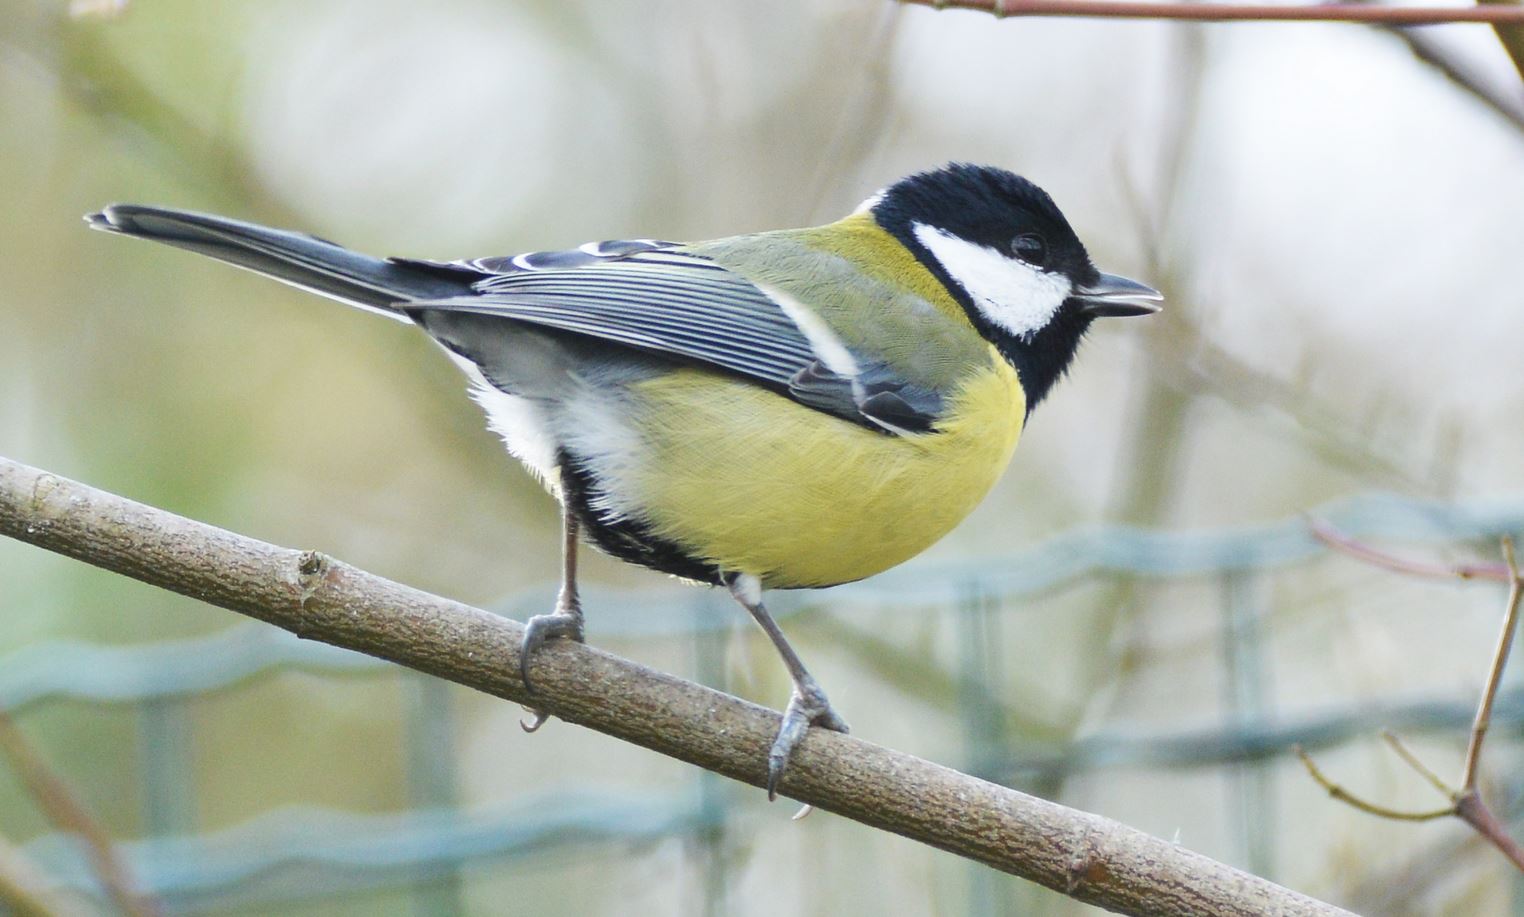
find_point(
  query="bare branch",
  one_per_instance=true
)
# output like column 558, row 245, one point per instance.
column 67, row 813
column 1495, row 672
column 1511, row 37
column 1345, row 796
column 1507, row 101
column 1327, row 533
column 1422, row 769
column 1465, row 803
column 1087, row 857
column 1470, row 809
column 1219, row 12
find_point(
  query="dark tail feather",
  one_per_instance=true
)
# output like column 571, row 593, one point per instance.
column 298, row 259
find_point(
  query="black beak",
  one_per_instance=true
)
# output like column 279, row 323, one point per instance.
column 1115, row 296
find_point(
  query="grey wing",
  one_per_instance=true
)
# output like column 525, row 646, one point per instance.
column 644, row 296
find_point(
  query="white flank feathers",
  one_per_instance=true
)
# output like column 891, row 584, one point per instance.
column 518, row 421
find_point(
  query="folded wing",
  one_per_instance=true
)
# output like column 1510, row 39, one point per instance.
column 646, row 296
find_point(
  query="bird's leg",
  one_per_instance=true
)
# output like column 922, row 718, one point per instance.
column 807, row 707
column 565, row 621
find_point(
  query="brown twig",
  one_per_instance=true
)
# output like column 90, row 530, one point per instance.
column 27, row 891
column 1470, row 809
column 1466, row 802
column 1350, row 799
column 1217, row 12
column 1507, row 100
column 68, row 814
column 1422, row 769
column 1511, row 37
column 1327, row 533
column 1090, row 858
column 1495, row 673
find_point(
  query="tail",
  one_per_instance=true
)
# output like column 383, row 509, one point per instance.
column 295, row 258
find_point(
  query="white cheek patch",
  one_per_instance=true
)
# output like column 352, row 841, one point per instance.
column 1009, row 292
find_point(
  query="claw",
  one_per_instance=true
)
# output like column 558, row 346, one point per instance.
column 808, row 707
column 540, row 719
column 564, row 622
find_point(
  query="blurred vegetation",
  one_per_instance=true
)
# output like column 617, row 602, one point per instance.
column 1335, row 223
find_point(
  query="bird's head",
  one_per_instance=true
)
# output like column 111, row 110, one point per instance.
column 1007, row 254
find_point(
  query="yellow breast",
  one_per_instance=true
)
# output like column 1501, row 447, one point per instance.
column 755, row 483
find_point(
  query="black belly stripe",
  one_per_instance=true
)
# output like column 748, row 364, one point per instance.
column 629, row 540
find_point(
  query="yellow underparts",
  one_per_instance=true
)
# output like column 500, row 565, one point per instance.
column 755, row 483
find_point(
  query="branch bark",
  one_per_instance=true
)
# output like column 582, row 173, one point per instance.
column 1085, row 856
column 1498, row 12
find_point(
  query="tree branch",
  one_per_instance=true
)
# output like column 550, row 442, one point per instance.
column 1224, row 12
column 1337, row 791
column 1465, row 802
column 1331, row 536
column 1495, row 671
column 1511, row 37
column 1506, row 101
column 64, row 809
column 1085, row 856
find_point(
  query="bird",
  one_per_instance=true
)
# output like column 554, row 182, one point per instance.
column 796, row 408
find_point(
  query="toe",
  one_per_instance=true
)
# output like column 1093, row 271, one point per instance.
column 541, row 628
column 789, row 735
column 830, row 720
column 808, row 707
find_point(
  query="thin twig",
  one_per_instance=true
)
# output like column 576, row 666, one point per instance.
column 1466, row 803
column 64, row 809
column 1507, row 101
column 1090, row 858
column 1345, row 796
column 1422, row 769
column 1327, row 533
column 1217, row 12
column 1495, row 673
column 1511, row 37
column 1392, row 886
column 1470, row 809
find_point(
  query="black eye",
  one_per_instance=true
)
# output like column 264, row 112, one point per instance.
column 1030, row 247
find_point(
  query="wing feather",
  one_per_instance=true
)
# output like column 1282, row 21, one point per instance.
column 689, row 308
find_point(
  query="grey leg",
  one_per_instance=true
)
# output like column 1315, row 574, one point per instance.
column 807, row 707
column 565, row 621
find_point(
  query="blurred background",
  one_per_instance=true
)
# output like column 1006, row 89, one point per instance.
column 1136, row 622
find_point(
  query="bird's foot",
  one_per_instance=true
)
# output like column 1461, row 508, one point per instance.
column 565, row 621
column 807, row 707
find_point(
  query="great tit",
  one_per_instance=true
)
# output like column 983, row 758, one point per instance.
column 786, row 409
